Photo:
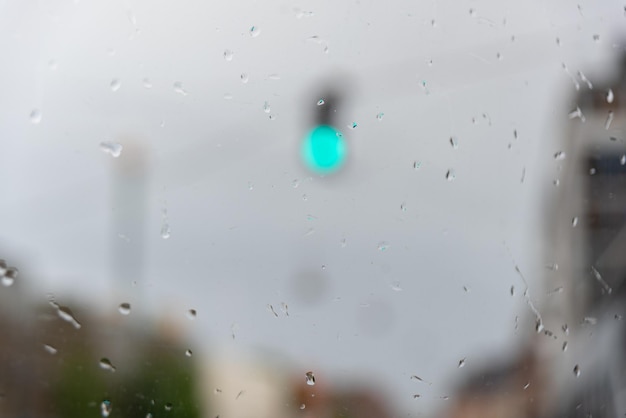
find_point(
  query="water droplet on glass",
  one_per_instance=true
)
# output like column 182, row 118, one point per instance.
column 558, row 41
column 53, row 65
column 228, row 55
column 147, row 83
column 576, row 113
column 417, row 396
column 450, row 175
column 403, row 207
column 228, row 96
column 609, row 120
column 320, row 102
column 244, row 78
column 254, row 31
column 473, row 13
column 168, row 406
column 396, row 287
column 178, row 88
column 499, row 56
column 105, row 408
column 417, row 165
column 574, row 221
column 115, row 84
column 512, row 290
column 538, row 325
column 191, row 314
column 302, row 406
column 165, row 227
column 310, row 378
column 9, row 275
column 66, row 314
column 343, row 243
column 564, row 346
column 380, row 116
column 148, row 415
column 50, row 349
column 462, row 362
column 559, row 155
column 622, row 159
column 124, row 308
column 188, row 353
column 596, row 37
column 35, row 116
column 454, row 142
column 609, row 96
column 576, row 370
column 272, row 117
column 112, row 148
column 266, row 107
column 106, row 364
column 353, row 125
column 383, row 246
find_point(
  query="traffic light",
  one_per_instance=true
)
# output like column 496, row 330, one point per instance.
column 324, row 149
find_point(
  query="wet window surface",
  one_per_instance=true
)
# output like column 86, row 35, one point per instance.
column 312, row 209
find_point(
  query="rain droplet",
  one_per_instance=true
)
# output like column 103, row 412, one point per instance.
column 228, row 96
column 538, row 325
column 272, row 117
column 559, row 155
column 9, row 276
column 576, row 370
column 168, row 406
column 622, row 159
column 454, row 142
column 147, row 83
column 574, row 221
column 244, row 78
column 383, row 246
column 191, row 314
column 564, row 347
column 576, row 113
column 558, row 41
column 343, row 243
column 302, row 406
column 53, row 65
column 178, row 88
column 124, row 308
column 462, row 362
column 380, row 116
column 188, row 353
column 353, row 125
column 3, row 267
column 266, row 107
column 596, row 37
column 35, row 116
column 403, row 207
column 585, row 80
column 473, row 13
column 228, row 55
column 416, row 396
column 417, row 165
column 105, row 408
column 310, row 378
column 609, row 96
column 512, row 290
column 66, row 314
column 106, row 364
column 112, row 148
column 165, row 228
column 609, row 120
column 50, row 349
column 148, row 415
column 115, row 84
column 320, row 102
column 499, row 56
column 396, row 287
column 450, row 175
column 254, row 31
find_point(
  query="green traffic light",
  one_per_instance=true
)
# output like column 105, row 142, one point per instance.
column 324, row 149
